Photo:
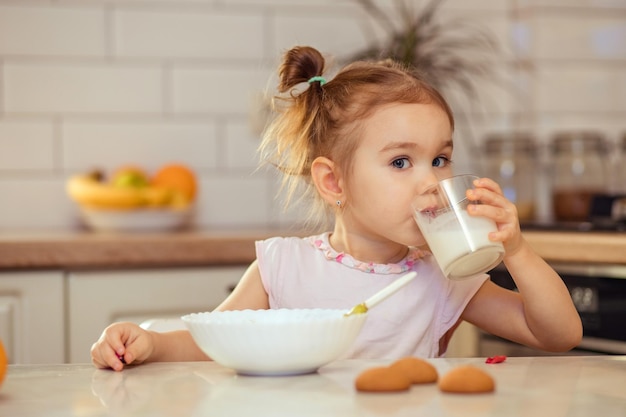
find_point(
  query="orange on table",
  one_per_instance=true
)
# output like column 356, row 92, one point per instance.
column 4, row 362
column 178, row 177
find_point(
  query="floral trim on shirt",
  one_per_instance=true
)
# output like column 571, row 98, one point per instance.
column 321, row 242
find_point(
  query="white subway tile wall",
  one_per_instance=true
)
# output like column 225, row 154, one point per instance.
column 104, row 83
column 26, row 145
column 81, row 87
column 176, row 33
column 151, row 143
column 219, row 90
column 38, row 29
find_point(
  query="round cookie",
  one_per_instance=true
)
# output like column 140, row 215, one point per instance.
column 418, row 370
column 467, row 379
column 382, row 379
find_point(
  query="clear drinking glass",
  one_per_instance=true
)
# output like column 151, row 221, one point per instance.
column 459, row 242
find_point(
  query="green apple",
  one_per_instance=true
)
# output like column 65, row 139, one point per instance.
column 130, row 178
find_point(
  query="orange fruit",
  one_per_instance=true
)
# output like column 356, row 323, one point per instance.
column 4, row 362
column 179, row 178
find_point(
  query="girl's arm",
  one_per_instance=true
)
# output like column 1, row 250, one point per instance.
column 136, row 345
column 541, row 314
column 249, row 292
column 179, row 346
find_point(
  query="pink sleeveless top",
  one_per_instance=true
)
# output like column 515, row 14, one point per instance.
column 308, row 273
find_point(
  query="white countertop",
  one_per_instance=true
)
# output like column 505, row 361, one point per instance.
column 536, row 386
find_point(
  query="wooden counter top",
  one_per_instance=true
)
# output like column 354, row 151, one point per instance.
column 85, row 250
column 579, row 247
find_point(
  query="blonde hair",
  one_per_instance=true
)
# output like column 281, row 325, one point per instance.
column 321, row 118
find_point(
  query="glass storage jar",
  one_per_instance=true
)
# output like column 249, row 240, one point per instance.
column 619, row 175
column 580, row 165
column 512, row 163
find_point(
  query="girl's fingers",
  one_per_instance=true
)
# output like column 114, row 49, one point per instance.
column 103, row 356
column 489, row 184
column 496, row 213
column 110, row 350
column 487, row 197
column 116, row 362
column 112, row 355
column 491, row 195
column 496, row 206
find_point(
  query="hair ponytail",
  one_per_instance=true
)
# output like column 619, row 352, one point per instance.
column 300, row 64
column 293, row 140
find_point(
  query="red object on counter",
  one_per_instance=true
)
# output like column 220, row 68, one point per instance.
column 496, row 359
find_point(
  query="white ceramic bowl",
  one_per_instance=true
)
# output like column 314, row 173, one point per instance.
column 137, row 220
column 274, row 342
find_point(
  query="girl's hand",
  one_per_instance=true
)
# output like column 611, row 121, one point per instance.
column 121, row 344
column 498, row 208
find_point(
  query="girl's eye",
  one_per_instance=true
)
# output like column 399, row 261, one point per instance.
column 401, row 163
column 441, row 161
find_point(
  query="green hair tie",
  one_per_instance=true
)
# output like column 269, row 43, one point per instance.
column 317, row 78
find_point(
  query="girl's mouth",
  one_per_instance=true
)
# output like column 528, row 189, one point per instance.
column 430, row 211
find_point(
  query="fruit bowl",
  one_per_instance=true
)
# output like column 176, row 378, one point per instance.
column 274, row 342
column 135, row 220
column 132, row 200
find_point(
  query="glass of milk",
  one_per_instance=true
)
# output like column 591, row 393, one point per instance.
column 459, row 242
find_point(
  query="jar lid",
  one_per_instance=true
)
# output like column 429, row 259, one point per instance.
column 510, row 143
column 579, row 142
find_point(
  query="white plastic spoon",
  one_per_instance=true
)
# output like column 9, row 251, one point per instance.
column 382, row 294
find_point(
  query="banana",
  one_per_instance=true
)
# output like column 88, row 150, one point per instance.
column 87, row 190
column 154, row 196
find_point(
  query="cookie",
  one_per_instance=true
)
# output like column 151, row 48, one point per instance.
column 467, row 379
column 418, row 370
column 382, row 379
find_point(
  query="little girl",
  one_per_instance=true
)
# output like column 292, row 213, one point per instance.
column 360, row 146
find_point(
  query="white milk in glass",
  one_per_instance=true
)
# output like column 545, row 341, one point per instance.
column 460, row 242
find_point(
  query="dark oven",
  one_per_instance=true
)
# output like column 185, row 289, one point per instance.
column 599, row 294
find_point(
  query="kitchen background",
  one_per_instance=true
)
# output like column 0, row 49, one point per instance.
column 103, row 83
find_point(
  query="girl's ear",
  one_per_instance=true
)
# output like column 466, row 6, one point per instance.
column 327, row 180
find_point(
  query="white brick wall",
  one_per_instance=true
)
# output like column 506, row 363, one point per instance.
column 86, row 83
column 37, row 29
column 170, row 33
column 79, row 87
column 86, row 144
column 26, row 146
column 215, row 91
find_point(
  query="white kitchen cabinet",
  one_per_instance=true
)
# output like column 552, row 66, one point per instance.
column 99, row 298
column 464, row 342
column 32, row 324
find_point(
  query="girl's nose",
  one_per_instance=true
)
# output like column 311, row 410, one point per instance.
column 428, row 180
